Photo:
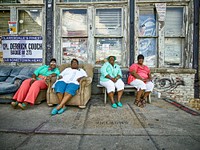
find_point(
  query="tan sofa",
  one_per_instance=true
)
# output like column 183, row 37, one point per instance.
column 83, row 94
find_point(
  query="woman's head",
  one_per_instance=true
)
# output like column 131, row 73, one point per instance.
column 53, row 63
column 111, row 59
column 140, row 59
column 74, row 63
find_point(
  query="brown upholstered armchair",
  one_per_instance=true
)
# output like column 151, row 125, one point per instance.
column 83, row 94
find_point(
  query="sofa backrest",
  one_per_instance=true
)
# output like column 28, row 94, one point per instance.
column 5, row 72
column 14, row 72
column 87, row 67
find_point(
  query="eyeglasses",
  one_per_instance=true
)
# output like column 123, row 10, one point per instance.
column 52, row 63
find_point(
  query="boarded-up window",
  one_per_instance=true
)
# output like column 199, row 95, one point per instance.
column 30, row 22
column 74, row 35
column 108, row 22
column 174, row 36
column 174, row 22
column 74, row 23
column 4, row 18
column 9, row 1
column 106, row 47
column 148, row 35
column 90, row 1
column 74, row 48
column 108, row 33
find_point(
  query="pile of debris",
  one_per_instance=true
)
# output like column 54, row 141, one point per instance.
column 194, row 103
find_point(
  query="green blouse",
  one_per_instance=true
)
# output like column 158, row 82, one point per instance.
column 44, row 71
column 108, row 69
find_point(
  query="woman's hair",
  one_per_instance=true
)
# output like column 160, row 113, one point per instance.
column 140, row 57
column 74, row 59
column 53, row 59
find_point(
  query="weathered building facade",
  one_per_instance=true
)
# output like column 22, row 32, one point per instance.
column 164, row 31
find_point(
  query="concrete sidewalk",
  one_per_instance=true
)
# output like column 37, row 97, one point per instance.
column 158, row 126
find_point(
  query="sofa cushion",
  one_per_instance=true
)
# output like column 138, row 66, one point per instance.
column 15, row 71
column 5, row 72
column 8, row 87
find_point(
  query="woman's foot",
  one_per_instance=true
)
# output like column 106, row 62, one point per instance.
column 54, row 111
column 143, row 101
column 114, row 105
column 138, row 103
column 23, row 106
column 62, row 110
column 14, row 104
column 119, row 104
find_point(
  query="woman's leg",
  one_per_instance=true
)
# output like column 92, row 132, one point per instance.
column 34, row 91
column 59, row 88
column 141, row 87
column 60, row 97
column 70, row 91
column 110, row 88
column 22, row 91
column 66, row 97
column 149, row 89
column 120, row 89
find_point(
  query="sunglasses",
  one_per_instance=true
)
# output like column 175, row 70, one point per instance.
column 52, row 63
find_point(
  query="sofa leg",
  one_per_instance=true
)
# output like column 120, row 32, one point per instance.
column 50, row 105
column 82, row 107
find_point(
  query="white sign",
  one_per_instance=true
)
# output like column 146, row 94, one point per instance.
column 22, row 48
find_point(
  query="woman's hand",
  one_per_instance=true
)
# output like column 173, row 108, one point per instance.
column 32, row 80
column 60, row 77
column 113, row 79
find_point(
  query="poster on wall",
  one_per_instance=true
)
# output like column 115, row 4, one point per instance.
column 12, row 27
column 147, row 46
column 22, row 48
column 74, row 48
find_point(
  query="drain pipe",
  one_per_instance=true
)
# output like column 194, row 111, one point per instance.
column 195, row 64
column 132, row 32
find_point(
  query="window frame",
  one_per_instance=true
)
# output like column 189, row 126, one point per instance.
column 156, row 36
column 182, row 38
column 161, row 37
column 18, row 19
column 71, row 37
column 121, row 36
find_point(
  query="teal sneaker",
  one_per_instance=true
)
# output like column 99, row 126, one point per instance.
column 114, row 105
column 119, row 104
column 62, row 110
column 54, row 111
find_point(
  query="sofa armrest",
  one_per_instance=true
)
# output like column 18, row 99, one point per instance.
column 18, row 82
column 50, row 81
column 86, row 81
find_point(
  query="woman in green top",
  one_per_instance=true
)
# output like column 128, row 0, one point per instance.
column 111, row 78
column 30, row 88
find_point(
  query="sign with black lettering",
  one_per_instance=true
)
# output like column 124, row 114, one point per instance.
column 22, row 48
